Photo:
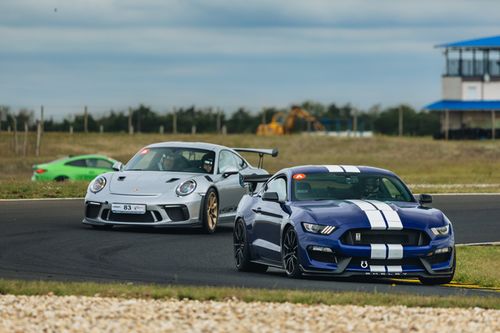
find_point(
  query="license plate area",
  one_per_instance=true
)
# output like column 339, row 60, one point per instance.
column 120, row 208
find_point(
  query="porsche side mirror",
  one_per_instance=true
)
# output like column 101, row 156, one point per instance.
column 230, row 171
column 425, row 199
column 271, row 196
column 118, row 166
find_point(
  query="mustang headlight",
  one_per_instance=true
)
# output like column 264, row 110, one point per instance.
column 98, row 184
column 441, row 231
column 186, row 187
column 318, row 228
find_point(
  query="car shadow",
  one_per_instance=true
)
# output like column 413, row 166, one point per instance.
column 224, row 229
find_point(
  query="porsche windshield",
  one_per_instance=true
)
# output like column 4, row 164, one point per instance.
column 173, row 159
column 333, row 186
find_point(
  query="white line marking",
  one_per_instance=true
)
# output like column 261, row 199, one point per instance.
column 351, row 168
column 378, row 251
column 363, row 205
column 377, row 269
column 40, row 199
column 479, row 244
column 334, row 168
column 395, row 251
column 394, row 269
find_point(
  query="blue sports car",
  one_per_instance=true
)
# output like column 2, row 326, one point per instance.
column 342, row 220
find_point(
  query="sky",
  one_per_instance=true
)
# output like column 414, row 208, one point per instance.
column 111, row 54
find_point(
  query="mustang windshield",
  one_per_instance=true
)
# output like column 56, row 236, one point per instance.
column 334, row 186
column 173, row 159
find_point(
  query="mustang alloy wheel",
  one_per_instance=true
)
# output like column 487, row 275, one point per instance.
column 290, row 254
column 211, row 211
column 241, row 250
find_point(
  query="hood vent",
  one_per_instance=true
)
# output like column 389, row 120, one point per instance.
column 171, row 180
column 121, row 178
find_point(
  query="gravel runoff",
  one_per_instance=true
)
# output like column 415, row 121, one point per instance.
column 96, row 314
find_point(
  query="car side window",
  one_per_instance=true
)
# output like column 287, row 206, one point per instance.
column 227, row 160
column 77, row 163
column 277, row 185
column 99, row 163
column 241, row 162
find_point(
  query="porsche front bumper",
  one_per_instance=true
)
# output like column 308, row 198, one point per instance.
column 158, row 213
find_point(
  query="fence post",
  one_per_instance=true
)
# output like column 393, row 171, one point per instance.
column 224, row 130
column 130, row 127
column 174, row 122
column 193, row 130
column 161, row 130
column 41, row 117
column 101, row 129
column 25, row 142
column 14, row 120
column 38, row 138
column 85, row 120
column 71, row 129
column 400, row 121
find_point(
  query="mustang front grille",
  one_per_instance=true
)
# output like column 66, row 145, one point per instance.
column 368, row 236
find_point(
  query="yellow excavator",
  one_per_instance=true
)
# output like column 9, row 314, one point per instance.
column 283, row 123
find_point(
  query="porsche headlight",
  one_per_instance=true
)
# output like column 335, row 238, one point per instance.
column 318, row 228
column 441, row 231
column 98, row 184
column 186, row 188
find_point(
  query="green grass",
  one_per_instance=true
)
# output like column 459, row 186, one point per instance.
column 438, row 165
column 152, row 291
column 19, row 189
column 479, row 265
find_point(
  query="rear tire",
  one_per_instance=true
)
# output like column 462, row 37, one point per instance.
column 210, row 211
column 242, row 251
column 432, row 281
column 61, row 178
column 290, row 254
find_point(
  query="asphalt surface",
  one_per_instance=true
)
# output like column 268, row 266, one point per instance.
column 45, row 240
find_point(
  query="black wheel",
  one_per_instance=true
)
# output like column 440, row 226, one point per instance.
column 241, row 251
column 210, row 212
column 290, row 254
column 61, row 178
column 432, row 281
column 102, row 227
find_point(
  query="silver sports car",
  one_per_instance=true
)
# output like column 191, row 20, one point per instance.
column 172, row 184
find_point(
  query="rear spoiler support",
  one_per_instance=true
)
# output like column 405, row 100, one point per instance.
column 253, row 180
column 273, row 152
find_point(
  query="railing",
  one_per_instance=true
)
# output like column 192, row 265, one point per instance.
column 472, row 68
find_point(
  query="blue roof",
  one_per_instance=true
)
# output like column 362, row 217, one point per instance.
column 463, row 105
column 487, row 42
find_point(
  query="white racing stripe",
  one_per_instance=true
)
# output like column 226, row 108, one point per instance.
column 376, row 219
column 395, row 251
column 391, row 216
column 350, row 168
column 394, row 269
column 363, row 205
column 334, row 168
column 378, row 251
column 377, row 268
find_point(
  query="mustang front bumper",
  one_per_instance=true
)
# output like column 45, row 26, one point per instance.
column 320, row 254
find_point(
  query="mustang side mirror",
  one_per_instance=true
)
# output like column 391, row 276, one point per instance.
column 271, row 196
column 118, row 166
column 425, row 199
column 230, row 171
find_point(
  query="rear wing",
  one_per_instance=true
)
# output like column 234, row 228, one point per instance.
column 254, row 180
column 273, row 152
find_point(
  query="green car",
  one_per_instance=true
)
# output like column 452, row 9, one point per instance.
column 82, row 167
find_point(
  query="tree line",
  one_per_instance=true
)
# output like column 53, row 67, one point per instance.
column 209, row 120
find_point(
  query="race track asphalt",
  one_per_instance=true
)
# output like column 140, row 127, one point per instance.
column 45, row 240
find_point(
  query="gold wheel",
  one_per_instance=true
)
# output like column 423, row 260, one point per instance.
column 212, row 211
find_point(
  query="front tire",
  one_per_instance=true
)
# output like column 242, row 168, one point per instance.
column 242, row 251
column 290, row 254
column 210, row 212
column 432, row 281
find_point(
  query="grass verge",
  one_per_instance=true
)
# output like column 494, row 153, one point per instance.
column 478, row 265
column 153, row 291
